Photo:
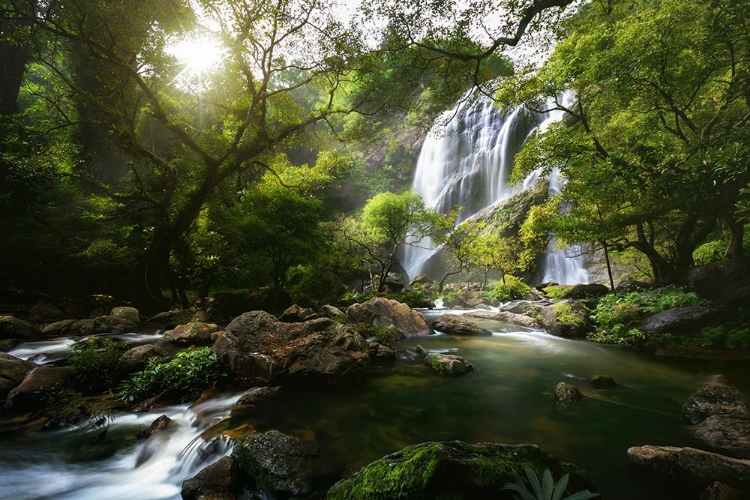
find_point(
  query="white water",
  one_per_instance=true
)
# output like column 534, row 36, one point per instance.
column 468, row 162
column 147, row 469
column 65, row 464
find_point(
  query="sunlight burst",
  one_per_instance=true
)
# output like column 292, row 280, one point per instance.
column 197, row 55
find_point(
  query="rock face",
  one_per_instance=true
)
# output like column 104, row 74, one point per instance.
column 454, row 470
column 567, row 394
column 334, row 313
column 691, row 466
column 280, row 464
column 381, row 352
column 193, row 333
column 727, row 434
column 385, row 313
column 714, row 400
column 448, row 364
column 14, row 328
column 507, row 317
column 260, row 349
column 221, row 480
column 258, row 395
column 677, row 320
column 458, row 325
column 12, row 372
column 39, row 381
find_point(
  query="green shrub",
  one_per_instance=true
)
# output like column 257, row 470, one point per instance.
column 617, row 314
column 512, row 289
column 711, row 251
column 186, row 375
column 738, row 339
column 94, row 362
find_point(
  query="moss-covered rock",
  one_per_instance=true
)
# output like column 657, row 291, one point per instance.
column 602, row 381
column 453, row 470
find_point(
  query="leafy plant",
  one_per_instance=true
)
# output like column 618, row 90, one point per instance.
column 511, row 289
column 93, row 361
column 187, row 374
column 66, row 407
column 544, row 490
column 617, row 314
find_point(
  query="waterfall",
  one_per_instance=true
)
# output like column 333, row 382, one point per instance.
column 467, row 163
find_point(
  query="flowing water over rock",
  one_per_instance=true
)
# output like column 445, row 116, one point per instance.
column 509, row 398
column 468, row 162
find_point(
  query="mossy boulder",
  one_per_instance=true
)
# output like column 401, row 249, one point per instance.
column 458, row 325
column 453, row 470
column 566, row 319
column 602, row 381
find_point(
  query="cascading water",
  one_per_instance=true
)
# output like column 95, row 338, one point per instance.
column 467, row 163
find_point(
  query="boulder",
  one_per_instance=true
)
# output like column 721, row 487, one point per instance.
column 30, row 393
column 45, row 312
column 129, row 313
column 448, row 364
column 14, row 328
column 727, row 434
column 602, row 381
column 458, row 325
column 677, row 320
column 334, row 313
column 112, row 324
column 689, row 466
column 220, row 480
column 712, row 400
column 566, row 319
column 421, row 279
column 524, row 306
column 193, row 333
column 136, row 359
column 170, row 319
column 506, row 317
column 297, row 314
column 381, row 352
column 58, row 327
column 586, row 291
column 156, row 438
column 12, row 372
column 454, row 470
column 83, row 327
column 280, row 464
column 259, row 349
column 567, row 394
column 384, row 313
column 257, row 395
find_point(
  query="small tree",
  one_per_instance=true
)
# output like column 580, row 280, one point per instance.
column 389, row 222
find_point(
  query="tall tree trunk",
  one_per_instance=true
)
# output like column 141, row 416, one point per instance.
column 15, row 30
column 609, row 266
column 736, row 235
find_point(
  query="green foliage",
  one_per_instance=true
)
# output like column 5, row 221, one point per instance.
column 185, row 376
column 708, row 252
column 617, row 314
column 565, row 314
column 510, row 289
column 722, row 336
column 544, row 490
column 66, row 407
column 556, row 291
column 94, row 362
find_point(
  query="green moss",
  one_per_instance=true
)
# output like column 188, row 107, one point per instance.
column 556, row 291
column 567, row 315
column 451, row 471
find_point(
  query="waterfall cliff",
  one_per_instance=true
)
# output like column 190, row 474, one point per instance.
column 467, row 163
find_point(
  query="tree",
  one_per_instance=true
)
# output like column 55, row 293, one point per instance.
column 180, row 143
column 388, row 222
column 656, row 152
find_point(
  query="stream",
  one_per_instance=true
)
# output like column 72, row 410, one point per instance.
column 508, row 399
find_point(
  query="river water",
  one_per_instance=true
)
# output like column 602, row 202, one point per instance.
column 508, row 399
